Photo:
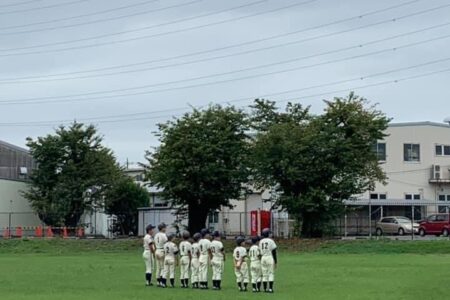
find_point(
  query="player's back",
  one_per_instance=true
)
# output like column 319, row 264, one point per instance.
column 160, row 240
column 170, row 249
column 266, row 246
column 239, row 253
column 195, row 250
column 205, row 244
column 216, row 249
column 254, row 253
column 185, row 248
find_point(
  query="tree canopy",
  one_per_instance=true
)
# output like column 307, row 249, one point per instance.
column 316, row 162
column 123, row 201
column 74, row 172
column 201, row 163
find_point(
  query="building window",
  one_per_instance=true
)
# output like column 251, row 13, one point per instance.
column 213, row 217
column 380, row 150
column 411, row 152
column 442, row 209
column 444, row 198
column 377, row 196
column 442, row 150
column 412, row 197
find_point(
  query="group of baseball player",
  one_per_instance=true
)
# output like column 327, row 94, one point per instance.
column 194, row 256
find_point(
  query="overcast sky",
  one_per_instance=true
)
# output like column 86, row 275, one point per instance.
column 108, row 61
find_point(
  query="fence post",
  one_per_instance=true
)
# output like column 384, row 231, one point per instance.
column 370, row 220
column 345, row 222
column 412, row 222
column 9, row 224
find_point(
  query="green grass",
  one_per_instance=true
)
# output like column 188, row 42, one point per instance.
column 114, row 270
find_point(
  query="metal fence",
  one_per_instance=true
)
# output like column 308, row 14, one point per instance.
column 229, row 223
column 361, row 217
column 28, row 224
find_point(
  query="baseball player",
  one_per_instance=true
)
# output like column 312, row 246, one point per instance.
column 185, row 259
column 217, row 261
column 205, row 256
column 195, row 264
column 160, row 239
column 268, row 250
column 255, row 265
column 149, row 250
column 240, row 264
column 170, row 261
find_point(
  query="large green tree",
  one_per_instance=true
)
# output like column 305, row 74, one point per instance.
column 201, row 163
column 315, row 162
column 74, row 172
column 123, row 201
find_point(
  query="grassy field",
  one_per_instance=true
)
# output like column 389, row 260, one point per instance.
column 325, row 270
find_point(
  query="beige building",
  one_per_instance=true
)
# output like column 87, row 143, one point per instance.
column 15, row 166
column 416, row 159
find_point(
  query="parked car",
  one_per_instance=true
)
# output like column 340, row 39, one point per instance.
column 396, row 225
column 438, row 224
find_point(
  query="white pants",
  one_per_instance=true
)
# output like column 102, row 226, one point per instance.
column 203, row 268
column 169, row 268
column 267, row 268
column 242, row 273
column 159, row 255
column 195, row 264
column 184, row 267
column 217, row 268
column 255, row 271
column 147, row 256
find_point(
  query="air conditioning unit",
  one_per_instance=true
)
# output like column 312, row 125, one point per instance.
column 437, row 172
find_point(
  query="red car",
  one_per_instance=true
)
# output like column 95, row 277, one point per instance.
column 438, row 224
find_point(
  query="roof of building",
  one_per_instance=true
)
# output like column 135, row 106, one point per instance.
column 13, row 147
column 423, row 123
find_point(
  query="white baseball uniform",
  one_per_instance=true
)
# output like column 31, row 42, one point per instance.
column 217, row 259
column 160, row 239
column 195, row 264
column 255, row 263
column 147, row 255
column 204, row 244
column 266, row 246
column 240, row 261
column 170, row 251
column 185, row 251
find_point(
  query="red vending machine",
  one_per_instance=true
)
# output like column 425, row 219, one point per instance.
column 259, row 219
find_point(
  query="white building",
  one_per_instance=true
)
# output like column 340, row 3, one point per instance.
column 416, row 159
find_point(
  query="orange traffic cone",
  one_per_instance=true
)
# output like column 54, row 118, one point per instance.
column 80, row 232
column 19, row 232
column 49, row 232
column 65, row 235
column 38, row 231
column 6, row 233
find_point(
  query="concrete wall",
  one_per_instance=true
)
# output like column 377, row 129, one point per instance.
column 406, row 177
column 11, row 200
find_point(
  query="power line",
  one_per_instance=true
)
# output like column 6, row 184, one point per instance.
column 52, row 99
column 105, row 19
column 243, row 43
column 126, row 116
column 41, row 7
column 357, row 46
column 19, row 3
column 81, row 16
column 149, row 27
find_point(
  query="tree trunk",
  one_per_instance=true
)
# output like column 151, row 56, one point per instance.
column 312, row 226
column 196, row 219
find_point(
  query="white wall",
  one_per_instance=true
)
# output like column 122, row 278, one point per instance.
column 413, row 177
column 11, row 200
